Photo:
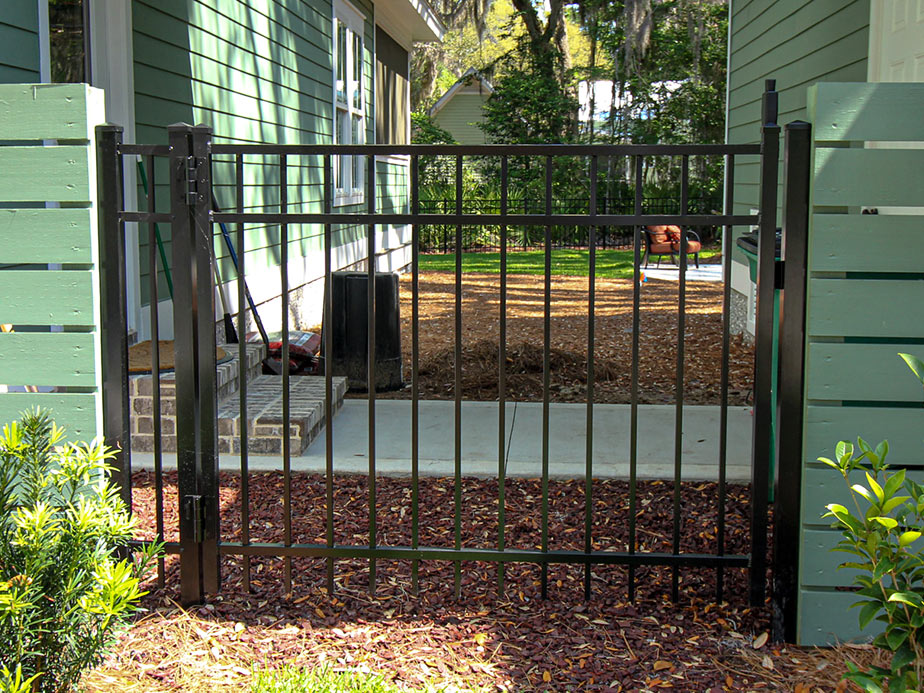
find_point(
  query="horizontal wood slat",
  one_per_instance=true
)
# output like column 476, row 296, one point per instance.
column 863, row 372
column 46, row 235
column 903, row 428
column 74, row 411
column 874, row 177
column 865, row 308
column 868, row 111
column 42, row 174
column 48, row 358
column 47, row 298
column 867, row 243
column 825, row 618
column 45, row 111
column 820, row 562
column 823, row 485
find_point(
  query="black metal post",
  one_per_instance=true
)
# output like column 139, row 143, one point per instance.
column 207, row 455
column 763, row 353
column 797, row 156
column 114, row 323
column 185, row 324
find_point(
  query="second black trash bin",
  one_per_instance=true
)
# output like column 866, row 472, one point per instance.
column 350, row 322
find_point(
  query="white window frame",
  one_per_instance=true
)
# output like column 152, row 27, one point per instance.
column 349, row 168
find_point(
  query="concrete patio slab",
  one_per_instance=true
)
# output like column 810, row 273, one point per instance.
column 703, row 273
column 523, row 441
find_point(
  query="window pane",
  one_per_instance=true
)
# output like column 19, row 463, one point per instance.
column 342, row 45
column 357, row 160
column 340, row 161
column 66, row 40
column 357, row 85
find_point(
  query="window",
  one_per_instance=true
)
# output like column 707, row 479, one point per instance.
column 349, row 102
column 68, row 40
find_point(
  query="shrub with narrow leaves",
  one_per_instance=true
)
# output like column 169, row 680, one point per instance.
column 64, row 590
column 881, row 532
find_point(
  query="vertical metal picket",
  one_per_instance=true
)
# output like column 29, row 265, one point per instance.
column 786, row 519
column 206, row 374
column 194, row 334
column 763, row 352
column 114, row 325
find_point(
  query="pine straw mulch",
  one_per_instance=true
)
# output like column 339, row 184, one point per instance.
column 482, row 641
column 658, row 322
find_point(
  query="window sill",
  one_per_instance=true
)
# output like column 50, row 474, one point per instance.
column 396, row 159
column 343, row 200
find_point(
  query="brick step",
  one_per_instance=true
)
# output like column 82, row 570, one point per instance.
column 265, row 428
column 264, row 407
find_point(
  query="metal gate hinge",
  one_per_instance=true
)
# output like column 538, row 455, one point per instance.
column 196, row 171
column 192, row 512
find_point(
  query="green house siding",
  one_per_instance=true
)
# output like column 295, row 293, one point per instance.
column 796, row 43
column 256, row 71
column 19, row 57
column 460, row 115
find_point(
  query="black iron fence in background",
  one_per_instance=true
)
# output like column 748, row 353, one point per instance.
column 439, row 238
column 202, row 541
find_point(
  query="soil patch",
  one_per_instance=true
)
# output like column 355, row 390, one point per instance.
column 658, row 340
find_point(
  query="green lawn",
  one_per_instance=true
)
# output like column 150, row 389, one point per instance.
column 611, row 264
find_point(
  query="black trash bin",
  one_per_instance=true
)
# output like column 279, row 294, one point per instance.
column 349, row 325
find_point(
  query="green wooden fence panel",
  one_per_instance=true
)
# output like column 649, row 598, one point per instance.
column 44, row 235
column 865, row 304
column 47, row 218
column 47, row 298
column 867, row 243
column 49, row 358
column 866, row 308
column 876, row 373
column 43, row 174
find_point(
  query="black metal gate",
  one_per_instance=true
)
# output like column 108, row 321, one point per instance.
column 189, row 159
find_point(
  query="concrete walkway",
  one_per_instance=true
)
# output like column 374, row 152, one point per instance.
column 703, row 273
column 523, row 436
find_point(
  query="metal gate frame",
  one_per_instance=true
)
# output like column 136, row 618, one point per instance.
column 192, row 215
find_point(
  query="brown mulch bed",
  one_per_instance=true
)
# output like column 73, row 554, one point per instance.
column 658, row 322
column 483, row 641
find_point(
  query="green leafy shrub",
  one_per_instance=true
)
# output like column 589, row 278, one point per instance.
column 881, row 532
column 63, row 591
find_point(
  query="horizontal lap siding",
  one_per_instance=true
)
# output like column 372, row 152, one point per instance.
column 865, row 298
column 19, row 55
column 797, row 43
column 256, row 71
column 460, row 115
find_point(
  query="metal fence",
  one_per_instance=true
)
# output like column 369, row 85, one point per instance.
column 440, row 238
column 191, row 216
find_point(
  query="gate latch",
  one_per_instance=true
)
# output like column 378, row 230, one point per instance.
column 192, row 513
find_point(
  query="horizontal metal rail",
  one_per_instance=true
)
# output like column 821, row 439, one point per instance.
column 438, row 553
column 491, row 149
column 488, row 219
column 145, row 149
